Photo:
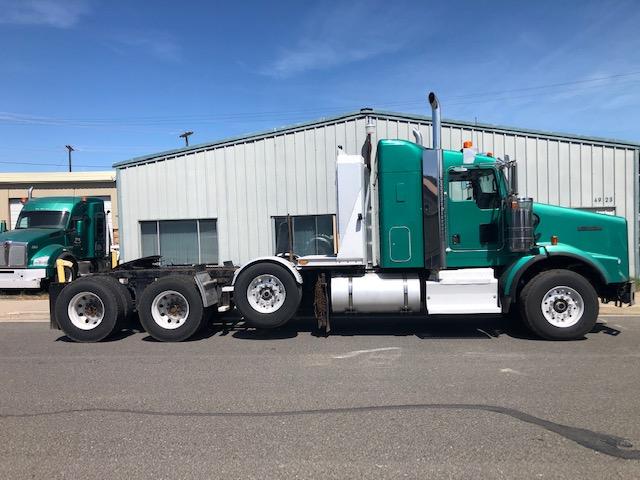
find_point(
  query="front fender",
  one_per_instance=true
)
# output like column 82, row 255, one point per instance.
column 511, row 276
column 603, row 265
column 272, row 259
column 609, row 267
column 46, row 256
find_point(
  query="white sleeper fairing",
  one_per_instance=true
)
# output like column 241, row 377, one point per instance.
column 351, row 188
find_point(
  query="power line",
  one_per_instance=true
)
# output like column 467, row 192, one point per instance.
column 151, row 120
column 549, row 85
column 499, row 98
column 52, row 164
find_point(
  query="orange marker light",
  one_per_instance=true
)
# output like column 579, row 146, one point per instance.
column 490, row 154
column 514, row 204
column 23, row 200
column 554, row 239
column 467, row 144
column 84, row 199
column 303, row 262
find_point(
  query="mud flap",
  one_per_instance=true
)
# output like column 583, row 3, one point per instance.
column 54, row 292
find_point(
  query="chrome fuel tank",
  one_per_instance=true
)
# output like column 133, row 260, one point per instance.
column 375, row 293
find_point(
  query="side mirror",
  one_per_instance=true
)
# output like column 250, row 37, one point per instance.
column 3, row 226
column 80, row 227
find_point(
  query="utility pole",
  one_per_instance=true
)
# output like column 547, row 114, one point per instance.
column 186, row 135
column 70, row 149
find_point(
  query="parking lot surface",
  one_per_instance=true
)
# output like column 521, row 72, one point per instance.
column 393, row 398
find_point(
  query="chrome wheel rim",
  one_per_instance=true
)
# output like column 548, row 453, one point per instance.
column 170, row 309
column 562, row 307
column 86, row 311
column 266, row 293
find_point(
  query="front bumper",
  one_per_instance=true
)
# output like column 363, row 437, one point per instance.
column 22, row 277
column 628, row 293
column 620, row 293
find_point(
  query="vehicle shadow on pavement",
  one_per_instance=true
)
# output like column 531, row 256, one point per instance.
column 122, row 334
column 437, row 327
column 486, row 327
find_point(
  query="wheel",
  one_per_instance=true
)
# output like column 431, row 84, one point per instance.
column 123, row 295
column 170, row 308
column 88, row 310
column 267, row 295
column 559, row 305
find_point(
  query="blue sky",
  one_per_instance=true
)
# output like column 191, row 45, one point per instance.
column 121, row 79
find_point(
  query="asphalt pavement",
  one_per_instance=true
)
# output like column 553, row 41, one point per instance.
column 392, row 398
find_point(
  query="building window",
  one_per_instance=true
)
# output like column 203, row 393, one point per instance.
column 180, row 242
column 312, row 235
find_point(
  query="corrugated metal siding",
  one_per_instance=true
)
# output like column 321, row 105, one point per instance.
column 244, row 184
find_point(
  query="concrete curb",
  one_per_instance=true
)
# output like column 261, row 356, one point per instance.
column 24, row 310
column 25, row 320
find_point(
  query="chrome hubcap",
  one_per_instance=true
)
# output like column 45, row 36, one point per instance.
column 266, row 293
column 562, row 307
column 170, row 309
column 86, row 311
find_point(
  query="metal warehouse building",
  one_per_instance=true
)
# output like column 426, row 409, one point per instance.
column 228, row 200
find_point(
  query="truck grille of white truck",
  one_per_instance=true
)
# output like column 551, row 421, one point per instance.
column 13, row 254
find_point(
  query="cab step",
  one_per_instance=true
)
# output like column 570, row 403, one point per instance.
column 467, row 290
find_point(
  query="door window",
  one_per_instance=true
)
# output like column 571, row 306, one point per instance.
column 474, row 210
column 477, row 185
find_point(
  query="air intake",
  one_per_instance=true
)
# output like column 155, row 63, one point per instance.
column 520, row 225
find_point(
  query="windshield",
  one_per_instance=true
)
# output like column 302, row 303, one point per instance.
column 42, row 219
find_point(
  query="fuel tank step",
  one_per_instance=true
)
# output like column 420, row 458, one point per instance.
column 468, row 290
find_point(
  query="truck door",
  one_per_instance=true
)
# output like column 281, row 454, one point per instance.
column 474, row 210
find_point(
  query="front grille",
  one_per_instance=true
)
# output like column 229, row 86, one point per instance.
column 13, row 254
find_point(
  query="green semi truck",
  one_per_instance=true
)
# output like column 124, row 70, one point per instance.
column 421, row 231
column 51, row 228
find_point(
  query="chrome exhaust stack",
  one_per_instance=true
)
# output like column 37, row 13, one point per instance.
column 435, row 247
column 435, row 120
column 30, row 193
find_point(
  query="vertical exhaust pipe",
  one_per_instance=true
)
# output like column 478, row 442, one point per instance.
column 435, row 120
column 30, row 193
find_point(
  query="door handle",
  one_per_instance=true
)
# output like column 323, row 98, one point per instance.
column 455, row 239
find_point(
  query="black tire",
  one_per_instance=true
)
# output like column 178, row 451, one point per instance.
column 123, row 295
column 532, row 296
column 110, row 302
column 277, row 318
column 189, row 325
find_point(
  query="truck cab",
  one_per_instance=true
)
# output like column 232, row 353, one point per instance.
column 52, row 228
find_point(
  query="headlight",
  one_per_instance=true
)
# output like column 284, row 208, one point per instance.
column 41, row 261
